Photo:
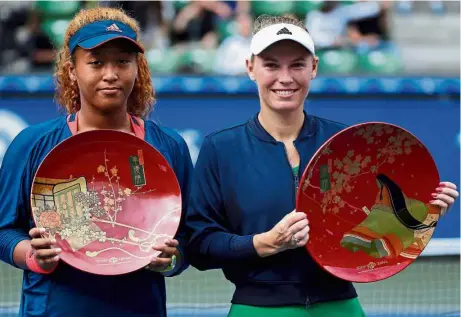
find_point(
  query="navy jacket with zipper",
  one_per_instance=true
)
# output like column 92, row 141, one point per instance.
column 244, row 185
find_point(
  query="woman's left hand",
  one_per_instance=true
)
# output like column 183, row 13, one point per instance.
column 161, row 262
column 444, row 196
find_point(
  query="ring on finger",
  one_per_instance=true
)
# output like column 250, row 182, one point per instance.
column 294, row 240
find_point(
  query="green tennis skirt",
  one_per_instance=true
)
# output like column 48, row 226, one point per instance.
column 341, row 308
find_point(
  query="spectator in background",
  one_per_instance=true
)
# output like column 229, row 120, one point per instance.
column 371, row 33
column 234, row 50
column 328, row 25
column 35, row 44
column 13, row 15
column 197, row 21
column 30, row 48
column 42, row 52
column 194, row 22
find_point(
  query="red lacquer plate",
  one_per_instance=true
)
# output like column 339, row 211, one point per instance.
column 366, row 194
column 106, row 197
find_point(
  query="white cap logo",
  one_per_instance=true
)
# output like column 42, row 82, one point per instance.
column 113, row 27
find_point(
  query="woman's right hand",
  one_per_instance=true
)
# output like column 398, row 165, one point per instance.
column 291, row 232
column 47, row 257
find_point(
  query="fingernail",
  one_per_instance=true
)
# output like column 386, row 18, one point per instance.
column 58, row 250
column 438, row 189
column 153, row 260
column 441, row 184
column 53, row 241
column 431, row 202
column 42, row 230
column 56, row 258
column 434, row 195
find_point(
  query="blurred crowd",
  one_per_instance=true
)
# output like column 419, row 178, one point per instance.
column 200, row 37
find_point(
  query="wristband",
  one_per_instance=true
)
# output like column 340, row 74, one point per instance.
column 32, row 263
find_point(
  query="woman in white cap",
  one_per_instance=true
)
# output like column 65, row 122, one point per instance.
column 103, row 82
column 241, row 216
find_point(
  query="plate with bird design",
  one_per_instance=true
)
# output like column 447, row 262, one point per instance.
column 366, row 194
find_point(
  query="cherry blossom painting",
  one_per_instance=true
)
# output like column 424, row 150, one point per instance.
column 106, row 197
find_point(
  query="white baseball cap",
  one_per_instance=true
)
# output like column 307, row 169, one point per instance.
column 278, row 32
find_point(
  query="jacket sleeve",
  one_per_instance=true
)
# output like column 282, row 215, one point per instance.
column 211, row 244
column 184, row 172
column 15, row 182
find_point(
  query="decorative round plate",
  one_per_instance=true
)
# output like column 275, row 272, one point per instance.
column 106, row 197
column 366, row 194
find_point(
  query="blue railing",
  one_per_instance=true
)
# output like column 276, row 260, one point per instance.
column 350, row 85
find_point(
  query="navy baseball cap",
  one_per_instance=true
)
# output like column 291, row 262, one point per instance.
column 99, row 32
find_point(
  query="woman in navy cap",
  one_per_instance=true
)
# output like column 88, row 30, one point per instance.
column 103, row 82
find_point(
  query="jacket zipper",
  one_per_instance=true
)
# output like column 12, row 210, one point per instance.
column 296, row 185
column 293, row 177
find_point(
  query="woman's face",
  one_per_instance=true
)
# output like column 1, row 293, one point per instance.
column 283, row 73
column 105, row 75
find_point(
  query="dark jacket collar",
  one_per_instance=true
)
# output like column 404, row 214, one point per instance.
column 308, row 129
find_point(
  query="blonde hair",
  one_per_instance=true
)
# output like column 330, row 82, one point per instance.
column 142, row 97
column 265, row 20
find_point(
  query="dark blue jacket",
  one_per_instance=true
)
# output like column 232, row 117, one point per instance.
column 68, row 292
column 243, row 186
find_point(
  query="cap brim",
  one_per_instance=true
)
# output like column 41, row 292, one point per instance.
column 259, row 49
column 274, row 33
column 104, row 38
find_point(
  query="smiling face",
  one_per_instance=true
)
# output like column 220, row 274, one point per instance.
column 105, row 75
column 283, row 73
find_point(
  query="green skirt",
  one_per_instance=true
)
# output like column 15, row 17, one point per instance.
column 341, row 308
